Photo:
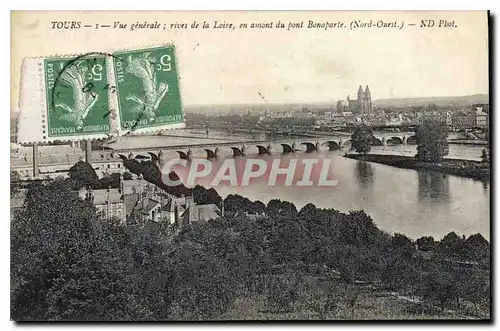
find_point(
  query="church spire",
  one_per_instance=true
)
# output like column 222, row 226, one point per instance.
column 361, row 94
column 368, row 94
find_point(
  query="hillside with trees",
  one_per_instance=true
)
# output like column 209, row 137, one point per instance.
column 257, row 262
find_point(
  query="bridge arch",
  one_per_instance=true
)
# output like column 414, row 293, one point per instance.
column 154, row 157
column 263, row 150
column 210, row 154
column 332, row 145
column 287, row 149
column 182, row 155
column 310, row 147
column 394, row 140
column 376, row 142
column 347, row 143
column 238, row 151
column 412, row 140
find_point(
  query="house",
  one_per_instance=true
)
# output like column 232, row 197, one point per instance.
column 322, row 122
column 183, row 211
column 138, row 185
column 394, row 121
column 463, row 120
column 201, row 213
column 148, row 209
column 108, row 202
column 164, row 208
column 482, row 115
column 174, row 209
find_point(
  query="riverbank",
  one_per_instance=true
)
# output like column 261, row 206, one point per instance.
column 468, row 142
column 462, row 168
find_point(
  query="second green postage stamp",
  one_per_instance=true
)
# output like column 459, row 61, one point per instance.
column 147, row 89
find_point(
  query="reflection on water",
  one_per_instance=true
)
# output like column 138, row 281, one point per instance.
column 399, row 200
column 486, row 187
column 433, row 186
column 364, row 173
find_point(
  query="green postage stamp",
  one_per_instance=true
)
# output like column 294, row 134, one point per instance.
column 95, row 95
column 147, row 88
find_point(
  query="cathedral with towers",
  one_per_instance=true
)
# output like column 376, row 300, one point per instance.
column 361, row 106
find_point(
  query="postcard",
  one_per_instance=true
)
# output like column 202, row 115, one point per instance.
column 250, row 165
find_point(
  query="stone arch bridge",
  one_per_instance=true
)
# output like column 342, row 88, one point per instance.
column 263, row 147
column 379, row 140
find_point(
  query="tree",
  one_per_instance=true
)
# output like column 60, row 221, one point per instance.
column 283, row 293
column 83, row 175
column 202, row 196
column 110, row 180
column 308, row 211
column 476, row 247
column 432, row 140
column 401, row 247
column 361, row 139
column 484, row 155
column 200, row 283
column 339, row 107
column 440, row 286
column 451, row 244
column 402, row 242
column 432, row 107
column 400, row 274
column 61, row 239
column 426, row 243
column 127, row 175
column 235, row 203
column 474, row 286
column 66, row 265
column 260, row 207
column 358, row 228
column 278, row 208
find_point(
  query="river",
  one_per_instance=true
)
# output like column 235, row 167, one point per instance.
column 414, row 203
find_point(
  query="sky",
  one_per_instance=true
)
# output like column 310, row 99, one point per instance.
column 225, row 66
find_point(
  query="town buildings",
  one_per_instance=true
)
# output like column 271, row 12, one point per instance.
column 482, row 114
column 445, row 117
column 477, row 117
column 141, row 202
column 463, row 120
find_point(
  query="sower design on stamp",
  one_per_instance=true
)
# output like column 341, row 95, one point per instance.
column 77, row 96
column 148, row 88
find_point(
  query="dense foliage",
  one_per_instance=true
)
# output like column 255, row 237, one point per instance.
column 362, row 139
column 67, row 265
column 83, row 175
column 432, row 140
